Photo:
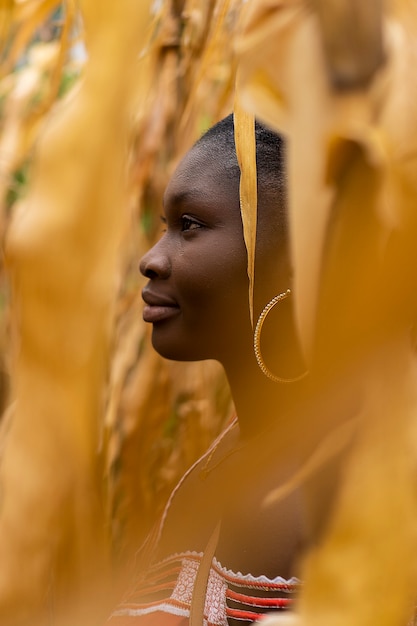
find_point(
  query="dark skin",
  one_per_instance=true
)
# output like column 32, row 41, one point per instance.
column 197, row 301
column 199, row 266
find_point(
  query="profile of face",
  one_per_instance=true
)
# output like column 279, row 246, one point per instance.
column 197, row 294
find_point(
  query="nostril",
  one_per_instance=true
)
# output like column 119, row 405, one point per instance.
column 155, row 264
column 146, row 266
column 149, row 273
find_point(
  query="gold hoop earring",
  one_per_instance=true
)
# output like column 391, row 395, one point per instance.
column 257, row 341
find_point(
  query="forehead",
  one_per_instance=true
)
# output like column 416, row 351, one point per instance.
column 203, row 177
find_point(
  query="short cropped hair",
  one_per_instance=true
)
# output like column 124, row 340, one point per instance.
column 270, row 162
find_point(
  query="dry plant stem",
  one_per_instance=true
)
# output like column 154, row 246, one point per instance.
column 62, row 254
column 6, row 12
column 324, row 130
column 351, row 33
column 56, row 73
column 22, row 119
column 379, row 485
column 159, row 424
column 207, row 38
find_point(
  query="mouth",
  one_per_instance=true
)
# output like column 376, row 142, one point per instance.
column 158, row 308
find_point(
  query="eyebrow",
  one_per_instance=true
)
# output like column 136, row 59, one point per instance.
column 182, row 197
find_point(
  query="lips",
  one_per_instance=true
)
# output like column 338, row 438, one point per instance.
column 158, row 308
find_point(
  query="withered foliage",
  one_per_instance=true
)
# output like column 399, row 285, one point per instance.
column 78, row 454
column 102, row 427
column 352, row 184
column 161, row 416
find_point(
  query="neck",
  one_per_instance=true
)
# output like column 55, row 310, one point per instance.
column 257, row 399
column 295, row 411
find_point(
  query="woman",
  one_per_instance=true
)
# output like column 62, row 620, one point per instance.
column 219, row 521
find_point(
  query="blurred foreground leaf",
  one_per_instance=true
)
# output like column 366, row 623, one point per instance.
column 62, row 252
column 353, row 219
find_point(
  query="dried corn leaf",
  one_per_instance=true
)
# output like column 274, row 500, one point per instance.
column 322, row 123
column 26, row 18
column 6, row 14
column 214, row 37
column 161, row 415
column 364, row 557
column 62, row 253
column 351, row 33
column 244, row 124
column 353, row 228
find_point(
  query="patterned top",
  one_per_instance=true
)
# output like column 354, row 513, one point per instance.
column 231, row 599
column 162, row 597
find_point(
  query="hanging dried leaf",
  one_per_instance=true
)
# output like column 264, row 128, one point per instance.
column 244, row 124
column 62, row 253
column 214, row 37
column 353, row 223
column 320, row 125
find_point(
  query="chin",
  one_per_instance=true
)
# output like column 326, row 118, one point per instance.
column 177, row 351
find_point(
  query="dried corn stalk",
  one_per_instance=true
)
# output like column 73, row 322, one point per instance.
column 352, row 162
column 161, row 415
column 62, row 254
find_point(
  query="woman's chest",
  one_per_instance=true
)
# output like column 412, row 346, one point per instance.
column 255, row 537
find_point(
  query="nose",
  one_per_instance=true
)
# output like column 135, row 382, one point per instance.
column 156, row 263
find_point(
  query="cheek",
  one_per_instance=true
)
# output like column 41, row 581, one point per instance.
column 217, row 276
column 213, row 297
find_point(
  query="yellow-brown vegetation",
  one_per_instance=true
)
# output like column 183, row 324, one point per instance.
column 98, row 428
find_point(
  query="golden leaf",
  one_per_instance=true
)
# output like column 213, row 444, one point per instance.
column 246, row 155
column 351, row 32
column 27, row 16
column 353, row 228
column 62, row 249
column 319, row 126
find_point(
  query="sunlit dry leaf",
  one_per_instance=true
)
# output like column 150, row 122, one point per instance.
column 246, row 155
column 62, row 255
column 27, row 17
column 210, row 57
column 270, row 88
column 315, row 125
column 353, row 229
column 351, row 31
column 346, row 577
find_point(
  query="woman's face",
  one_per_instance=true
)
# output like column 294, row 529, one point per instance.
column 197, row 294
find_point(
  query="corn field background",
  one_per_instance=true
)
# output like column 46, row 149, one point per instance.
column 155, row 417
column 96, row 428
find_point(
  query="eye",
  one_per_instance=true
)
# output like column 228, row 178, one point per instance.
column 164, row 222
column 189, row 223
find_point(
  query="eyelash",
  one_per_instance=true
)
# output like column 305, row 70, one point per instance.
column 189, row 223
column 186, row 223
